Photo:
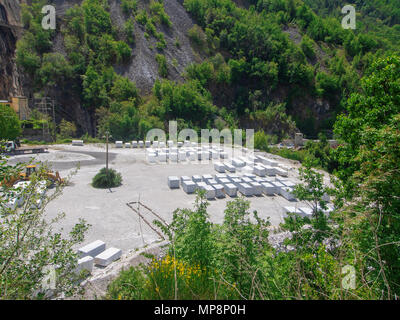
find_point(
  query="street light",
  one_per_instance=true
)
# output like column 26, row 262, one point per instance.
column 107, row 136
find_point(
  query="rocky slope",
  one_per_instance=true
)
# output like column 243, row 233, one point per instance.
column 10, row 83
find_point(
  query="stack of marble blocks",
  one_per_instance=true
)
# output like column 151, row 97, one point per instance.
column 185, row 152
column 95, row 253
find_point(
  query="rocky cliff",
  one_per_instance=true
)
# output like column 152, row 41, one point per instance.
column 10, row 30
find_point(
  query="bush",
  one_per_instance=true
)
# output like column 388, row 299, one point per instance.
column 107, row 179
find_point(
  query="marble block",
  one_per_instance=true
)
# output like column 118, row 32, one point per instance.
column 257, row 188
column 219, row 167
column 118, row 144
column 108, row 256
column 196, row 178
column 173, row 182
column 219, row 190
column 230, row 190
column 92, row 249
column 268, row 188
column 85, row 263
column 229, row 167
column 245, row 189
column 188, row 186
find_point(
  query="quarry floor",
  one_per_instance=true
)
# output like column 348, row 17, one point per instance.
column 106, row 210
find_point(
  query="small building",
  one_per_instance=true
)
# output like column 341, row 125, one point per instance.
column 19, row 105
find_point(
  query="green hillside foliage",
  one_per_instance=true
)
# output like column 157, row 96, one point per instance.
column 266, row 66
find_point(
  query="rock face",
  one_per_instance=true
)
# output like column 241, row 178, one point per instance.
column 10, row 83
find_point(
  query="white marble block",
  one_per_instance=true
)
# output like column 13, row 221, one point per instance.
column 224, row 181
column 230, row 190
column 141, row 144
column 127, row 145
column 219, row 190
column 246, row 179
column 219, row 167
column 77, row 142
column 134, row 144
column 206, row 177
column 229, row 167
column 290, row 209
column 108, row 256
column 119, row 144
column 85, row 263
column 155, row 144
column 237, row 181
column 147, row 143
column 260, row 171
column 188, row 186
column 268, row 188
column 196, row 178
column 182, row 155
column 201, row 185
column 245, row 189
column 287, row 193
column 170, row 143
column 238, row 163
column 92, row 249
column 173, row 157
column 205, row 155
column 278, row 186
column 151, row 157
column 214, row 154
column 162, row 144
column 162, row 157
column 211, row 182
column 306, row 212
column 281, row 172
column 257, row 188
column 223, row 155
column 192, row 156
column 185, row 178
column 173, row 182
column 210, row 192
column 219, row 176
column 247, row 169
column 269, row 171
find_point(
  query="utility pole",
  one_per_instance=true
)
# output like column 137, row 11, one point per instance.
column 107, row 134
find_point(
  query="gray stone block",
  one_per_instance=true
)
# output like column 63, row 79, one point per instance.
column 85, row 263
column 230, row 190
column 219, row 190
column 173, row 182
column 92, row 249
column 245, row 189
column 189, row 186
column 108, row 256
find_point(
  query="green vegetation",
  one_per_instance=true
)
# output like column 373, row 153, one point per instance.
column 360, row 235
column 33, row 257
column 107, row 179
column 10, row 126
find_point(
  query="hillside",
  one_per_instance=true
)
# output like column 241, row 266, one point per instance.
column 273, row 65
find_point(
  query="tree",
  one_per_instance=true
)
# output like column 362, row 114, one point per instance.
column 373, row 108
column 30, row 251
column 10, row 126
column 67, row 129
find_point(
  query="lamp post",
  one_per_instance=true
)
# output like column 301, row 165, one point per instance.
column 107, row 136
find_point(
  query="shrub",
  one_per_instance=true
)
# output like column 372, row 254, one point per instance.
column 107, row 179
column 162, row 65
